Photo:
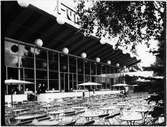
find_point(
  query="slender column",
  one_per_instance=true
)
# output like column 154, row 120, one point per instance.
column 96, row 72
column 19, row 60
column 106, row 79
column 101, row 73
column 110, row 78
column 68, row 64
column 84, row 71
column 48, row 70
column 59, row 78
column 90, row 71
column 23, row 79
column 6, row 78
column 35, row 71
column 64, row 81
column 77, row 73
column 72, row 81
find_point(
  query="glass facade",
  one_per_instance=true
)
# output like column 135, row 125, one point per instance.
column 50, row 68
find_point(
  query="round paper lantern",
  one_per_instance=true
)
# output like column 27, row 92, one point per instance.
column 117, row 65
column 44, row 64
column 60, row 20
column 64, row 67
column 137, row 58
column 108, row 62
column 83, row 55
column 98, row 59
column 39, row 42
column 131, row 55
column 102, row 41
column 80, row 70
column 123, row 51
column 65, row 50
column 23, row 3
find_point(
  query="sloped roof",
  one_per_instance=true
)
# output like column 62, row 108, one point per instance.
column 28, row 24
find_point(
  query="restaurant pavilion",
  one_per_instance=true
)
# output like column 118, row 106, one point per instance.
column 50, row 51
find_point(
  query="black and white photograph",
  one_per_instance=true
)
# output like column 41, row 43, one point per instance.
column 83, row 63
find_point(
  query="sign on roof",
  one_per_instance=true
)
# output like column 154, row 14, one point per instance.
column 64, row 9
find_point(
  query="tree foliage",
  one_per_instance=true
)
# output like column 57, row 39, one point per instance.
column 131, row 21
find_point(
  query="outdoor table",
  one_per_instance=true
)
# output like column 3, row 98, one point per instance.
column 143, row 111
column 56, row 114
column 89, row 116
column 27, row 117
column 107, row 109
column 20, row 110
column 52, row 91
column 131, row 117
column 122, row 104
column 78, row 108
column 46, row 123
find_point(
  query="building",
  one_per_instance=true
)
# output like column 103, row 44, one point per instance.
column 45, row 50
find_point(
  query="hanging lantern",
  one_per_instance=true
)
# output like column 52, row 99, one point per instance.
column 109, row 62
column 64, row 67
column 102, row 41
column 83, row 55
column 98, row 59
column 137, row 58
column 39, row 42
column 23, row 3
column 131, row 55
column 65, row 50
column 79, row 70
column 44, row 64
column 124, row 52
column 60, row 20
column 117, row 65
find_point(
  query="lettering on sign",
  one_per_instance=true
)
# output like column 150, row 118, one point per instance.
column 67, row 12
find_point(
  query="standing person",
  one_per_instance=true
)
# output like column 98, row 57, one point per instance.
column 94, row 91
column 39, row 89
column 83, row 94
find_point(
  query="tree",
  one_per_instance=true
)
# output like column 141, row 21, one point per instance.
column 132, row 22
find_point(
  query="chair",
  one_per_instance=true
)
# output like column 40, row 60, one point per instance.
column 71, row 123
column 89, row 123
column 104, row 115
column 110, row 117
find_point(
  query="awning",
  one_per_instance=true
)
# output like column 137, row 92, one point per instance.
column 146, row 74
column 30, row 23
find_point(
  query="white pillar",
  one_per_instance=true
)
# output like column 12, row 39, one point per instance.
column 59, row 77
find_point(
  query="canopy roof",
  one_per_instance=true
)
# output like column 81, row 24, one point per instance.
column 120, row 84
column 15, row 81
column 30, row 23
column 89, row 84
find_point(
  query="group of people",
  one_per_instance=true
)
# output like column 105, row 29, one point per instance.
column 41, row 88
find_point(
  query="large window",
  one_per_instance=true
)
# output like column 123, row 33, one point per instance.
column 52, row 69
